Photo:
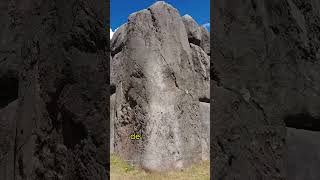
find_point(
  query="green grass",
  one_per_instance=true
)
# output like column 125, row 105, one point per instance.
column 121, row 170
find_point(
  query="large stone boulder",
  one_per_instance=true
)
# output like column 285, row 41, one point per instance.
column 197, row 35
column 201, row 64
column 54, row 90
column 159, row 77
column 265, row 68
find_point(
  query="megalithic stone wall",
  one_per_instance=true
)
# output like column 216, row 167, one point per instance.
column 160, row 72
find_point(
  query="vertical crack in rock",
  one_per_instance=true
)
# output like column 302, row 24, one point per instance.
column 175, row 80
column 154, row 21
column 260, row 108
column 170, row 71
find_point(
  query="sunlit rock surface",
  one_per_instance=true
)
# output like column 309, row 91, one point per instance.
column 160, row 76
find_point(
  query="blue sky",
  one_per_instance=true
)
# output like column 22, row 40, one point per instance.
column 121, row 9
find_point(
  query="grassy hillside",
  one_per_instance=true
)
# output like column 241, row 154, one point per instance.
column 121, row 170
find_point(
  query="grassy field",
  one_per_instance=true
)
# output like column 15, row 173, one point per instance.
column 121, row 170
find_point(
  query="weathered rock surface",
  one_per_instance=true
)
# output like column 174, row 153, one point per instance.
column 202, row 68
column 205, row 130
column 303, row 154
column 265, row 69
column 7, row 134
column 54, row 76
column 197, row 35
column 112, row 118
column 160, row 75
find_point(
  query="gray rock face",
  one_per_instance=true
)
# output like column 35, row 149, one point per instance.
column 303, row 154
column 197, row 35
column 205, row 130
column 205, row 40
column 10, row 39
column 53, row 96
column 193, row 29
column 112, row 118
column 159, row 77
column 202, row 75
column 7, row 134
column 264, row 74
